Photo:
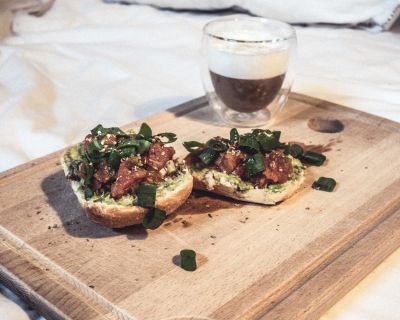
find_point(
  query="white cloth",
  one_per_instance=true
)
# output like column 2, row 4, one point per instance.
column 86, row 62
column 380, row 14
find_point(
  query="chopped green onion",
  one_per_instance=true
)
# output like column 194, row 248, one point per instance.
column 89, row 171
column 217, row 145
column 127, row 152
column 234, row 136
column 294, row 150
column 193, row 146
column 268, row 142
column 208, row 155
column 128, row 143
column 143, row 146
column 146, row 195
column 276, row 134
column 99, row 130
column 88, row 193
column 154, row 218
column 313, row 158
column 114, row 159
column 254, row 165
column 248, row 142
column 324, row 184
column 145, row 131
column 171, row 137
column 188, row 260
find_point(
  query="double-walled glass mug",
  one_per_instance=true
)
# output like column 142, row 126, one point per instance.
column 248, row 68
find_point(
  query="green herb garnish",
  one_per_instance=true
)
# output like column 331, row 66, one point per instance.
column 114, row 159
column 208, row 155
column 171, row 137
column 154, row 218
column 188, row 260
column 313, row 158
column 99, row 130
column 145, row 131
column 217, row 145
column 324, row 184
column 193, row 146
column 295, row 150
column 146, row 195
column 254, row 165
column 248, row 143
column 88, row 193
column 234, row 136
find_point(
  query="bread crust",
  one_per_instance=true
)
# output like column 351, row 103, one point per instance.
column 119, row 216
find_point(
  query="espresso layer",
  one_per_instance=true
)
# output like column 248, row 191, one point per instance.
column 246, row 95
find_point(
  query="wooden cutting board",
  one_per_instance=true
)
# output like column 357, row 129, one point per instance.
column 290, row 261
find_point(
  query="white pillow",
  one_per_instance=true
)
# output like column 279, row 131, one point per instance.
column 377, row 14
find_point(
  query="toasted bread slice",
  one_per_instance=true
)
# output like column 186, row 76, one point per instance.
column 117, row 214
column 232, row 186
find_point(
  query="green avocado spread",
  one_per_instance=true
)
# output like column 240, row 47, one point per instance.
column 207, row 174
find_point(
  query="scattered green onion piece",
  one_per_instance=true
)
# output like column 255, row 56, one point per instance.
column 217, row 145
column 324, row 184
column 145, row 131
column 295, row 150
column 234, row 136
column 248, row 142
column 154, row 218
column 193, row 146
column 171, row 137
column 114, row 159
column 313, row 158
column 128, row 143
column 88, row 193
column 254, row 165
column 127, row 152
column 208, row 155
column 188, row 260
column 146, row 195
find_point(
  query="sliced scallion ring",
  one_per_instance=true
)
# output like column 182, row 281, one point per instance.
column 324, row 184
column 313, row 158
column 154, row 218
column 208, row 155
column 146, row 195
column 248, row 142
column 234, row 136
column 194, row 147
column 114, row 159
column 171, row 137
column 188, row 260
column 295, row 150
column 254, row 165
column 217, row 145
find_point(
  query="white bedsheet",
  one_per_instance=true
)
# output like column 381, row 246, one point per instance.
column 86, row 62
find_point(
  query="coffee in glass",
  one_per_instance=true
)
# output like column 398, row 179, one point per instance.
column 248, row 69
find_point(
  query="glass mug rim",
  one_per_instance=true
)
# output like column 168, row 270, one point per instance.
column 259, row 20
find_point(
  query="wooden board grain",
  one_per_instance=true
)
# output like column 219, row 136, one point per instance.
column 256, row 261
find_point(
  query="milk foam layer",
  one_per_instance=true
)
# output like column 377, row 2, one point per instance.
column 248, row 64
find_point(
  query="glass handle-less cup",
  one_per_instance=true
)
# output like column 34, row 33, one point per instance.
column 248, row 68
